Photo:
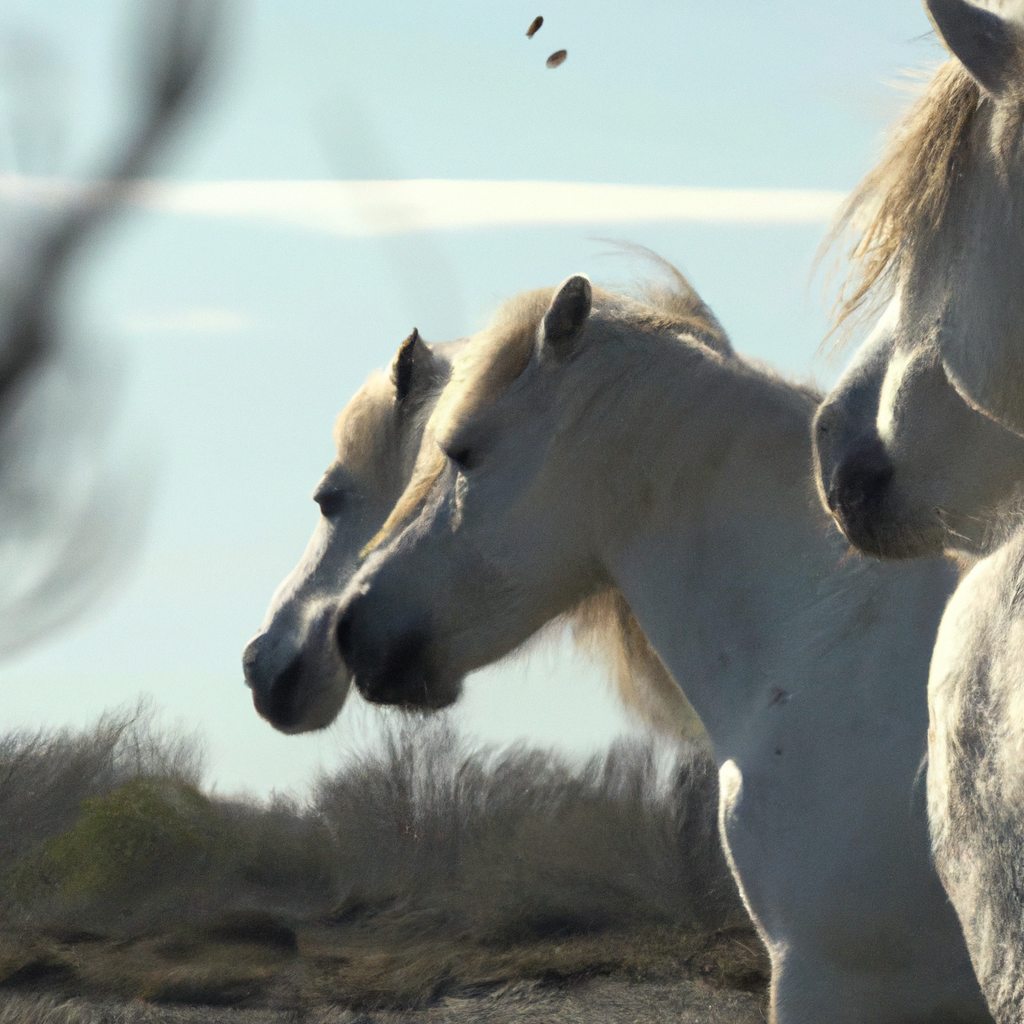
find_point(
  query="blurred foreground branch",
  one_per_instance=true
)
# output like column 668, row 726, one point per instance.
column 68, row 524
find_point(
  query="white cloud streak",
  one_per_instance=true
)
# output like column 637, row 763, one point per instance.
column 375, row 208
column 187, row 320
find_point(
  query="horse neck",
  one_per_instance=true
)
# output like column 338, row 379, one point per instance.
column 740, row 581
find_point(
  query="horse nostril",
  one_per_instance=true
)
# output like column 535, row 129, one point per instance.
column 861, row 478
column 279, row 702
column 823, row 421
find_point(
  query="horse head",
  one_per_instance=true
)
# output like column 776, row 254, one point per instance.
column 438, row 597
column 298, row 682
column 964, row 269
column 910, row 456
column 506, row 522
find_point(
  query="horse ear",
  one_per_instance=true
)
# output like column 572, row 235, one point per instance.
column 986, row 44
column 413, row 363
column 567, row 314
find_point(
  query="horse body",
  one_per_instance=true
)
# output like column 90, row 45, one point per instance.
column 818, row 807
column 612, row 447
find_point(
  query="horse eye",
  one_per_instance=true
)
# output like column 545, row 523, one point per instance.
column 462, row 456
column 330, row 499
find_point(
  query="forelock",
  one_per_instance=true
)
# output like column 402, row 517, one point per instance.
column 364, row 433
column 492, row 360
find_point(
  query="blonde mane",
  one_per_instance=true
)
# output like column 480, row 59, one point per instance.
column 605, row 625
column 900, row 206
column 491, row 361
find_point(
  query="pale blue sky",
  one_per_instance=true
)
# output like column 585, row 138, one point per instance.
column 242, row 341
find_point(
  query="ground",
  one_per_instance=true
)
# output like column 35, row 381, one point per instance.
column 593, row 1001
column 257, row 970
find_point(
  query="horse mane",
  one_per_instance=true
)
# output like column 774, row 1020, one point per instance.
column 679, row 301
column 605, row 625
column 489, row 362
column 899, row 207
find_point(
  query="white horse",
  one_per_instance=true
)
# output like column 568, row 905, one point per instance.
column 292, row 667
column 912, row 456
column 942, row 231
column 297, row 680
column 594, row 441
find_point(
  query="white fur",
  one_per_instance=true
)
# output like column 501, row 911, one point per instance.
column 941, row 222
column 954, row 473
column 939, row 391
column 632, row 455
column 975, row 777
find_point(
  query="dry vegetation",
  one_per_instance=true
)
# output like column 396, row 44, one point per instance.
column 415, row 874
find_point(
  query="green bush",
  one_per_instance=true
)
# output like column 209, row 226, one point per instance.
column 126, row 848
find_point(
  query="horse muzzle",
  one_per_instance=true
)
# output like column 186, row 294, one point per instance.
column 866, row 507
column 394, row 668
column 294, row 691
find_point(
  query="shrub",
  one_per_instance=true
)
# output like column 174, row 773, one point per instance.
column 46, row 776
column 518, row 844
column 146, row 832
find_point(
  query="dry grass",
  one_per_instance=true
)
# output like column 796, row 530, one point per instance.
column 516, row 844
column 424, row 869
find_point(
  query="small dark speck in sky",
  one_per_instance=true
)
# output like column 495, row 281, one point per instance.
column 558, row 57
column 534, row 26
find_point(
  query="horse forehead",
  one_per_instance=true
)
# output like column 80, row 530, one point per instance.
column 490, row 363
column 498, row 359
column 365, row 431
column 495, row 358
